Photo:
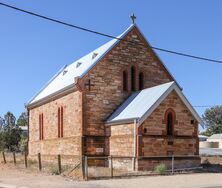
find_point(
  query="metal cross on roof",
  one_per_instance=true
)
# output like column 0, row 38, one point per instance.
column 133, row 17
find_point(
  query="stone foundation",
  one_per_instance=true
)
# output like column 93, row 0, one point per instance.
column 123, row 164
column 179, row 162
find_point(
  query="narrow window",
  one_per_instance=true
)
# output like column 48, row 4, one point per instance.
column 58, row 122
column 141, row 81
column 125, row 81
column 40, row 127
column 61, row 122
column 41, row 133
column 170, row 124
column 133, row 77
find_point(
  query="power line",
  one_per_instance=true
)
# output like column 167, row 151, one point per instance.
column 109, row 36
column 206, row 106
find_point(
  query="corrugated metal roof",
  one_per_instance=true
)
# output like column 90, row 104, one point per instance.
column 142, row 103
column 65, row 77
column 216, row 136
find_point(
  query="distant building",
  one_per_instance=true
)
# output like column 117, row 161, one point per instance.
column 216, row 138
column 24, row 130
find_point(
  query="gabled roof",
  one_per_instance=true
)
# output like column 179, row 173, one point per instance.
column 142, row 103
column 64, row 79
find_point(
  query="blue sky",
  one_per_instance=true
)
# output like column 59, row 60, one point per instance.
column 32, row 50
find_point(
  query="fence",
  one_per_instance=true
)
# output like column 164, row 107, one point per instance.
column 89, row 167
column 120, row 166
column 53, row 166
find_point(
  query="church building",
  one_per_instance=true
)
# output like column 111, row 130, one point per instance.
column 118, row 100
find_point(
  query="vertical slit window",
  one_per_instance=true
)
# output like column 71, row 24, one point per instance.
column 42, row 128
column 133, row 78
column 141, row 81
column 125, row 81
column 58, row 122
column 170, row 124
column 41, row 133
column 62, row 122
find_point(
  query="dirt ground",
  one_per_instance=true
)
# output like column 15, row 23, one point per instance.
column 14, row 178
column 18, row 177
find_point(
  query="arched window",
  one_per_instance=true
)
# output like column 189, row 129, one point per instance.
column 133, row 78
column 125, row 81
column 141, row 81
column 170, row 124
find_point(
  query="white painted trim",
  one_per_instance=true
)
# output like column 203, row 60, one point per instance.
column 30, row 101
column 64, row 91
column 134, row 133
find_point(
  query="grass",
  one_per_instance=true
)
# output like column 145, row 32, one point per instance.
column 160, row 169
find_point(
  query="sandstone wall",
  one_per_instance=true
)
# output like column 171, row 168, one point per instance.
column 107, row 93
column 70, row 144
column 179, row 163
column 184, row 141
column 122, row 140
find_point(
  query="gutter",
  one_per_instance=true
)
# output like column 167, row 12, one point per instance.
column 63, row 91
column 135, row 138
column 135, row 144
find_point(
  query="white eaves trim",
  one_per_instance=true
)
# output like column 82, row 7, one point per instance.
column 173, row 87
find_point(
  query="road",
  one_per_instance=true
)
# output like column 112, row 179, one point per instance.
column 210, row 151
column 14, row 178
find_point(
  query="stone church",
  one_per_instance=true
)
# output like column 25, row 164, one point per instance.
column 118, row 100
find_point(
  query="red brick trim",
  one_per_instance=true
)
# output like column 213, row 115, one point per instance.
column 170, row 110
column 62, row 120
column 42, row 126
column 59, row 122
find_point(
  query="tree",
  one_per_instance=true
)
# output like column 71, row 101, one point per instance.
column 2, row 122
column 23, row 119
column 9, row 120
column 10, row 134
column 213, row 120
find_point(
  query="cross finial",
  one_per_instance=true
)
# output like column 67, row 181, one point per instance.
column 133, row 17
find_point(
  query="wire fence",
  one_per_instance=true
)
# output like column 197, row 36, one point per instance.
column 94, row 167
column 56, row 164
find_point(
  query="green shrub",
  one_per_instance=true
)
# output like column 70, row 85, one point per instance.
column 160, row 168
column 54, row 170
